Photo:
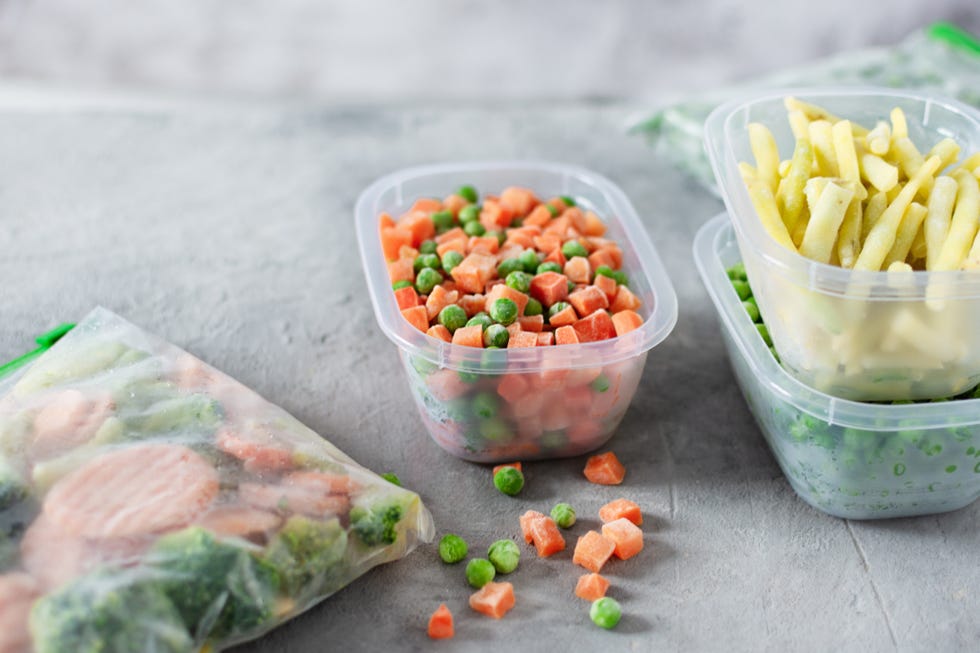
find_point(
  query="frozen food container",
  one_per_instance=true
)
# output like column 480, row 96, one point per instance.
column 849, row 459
column 539, row 402
column 854, row 334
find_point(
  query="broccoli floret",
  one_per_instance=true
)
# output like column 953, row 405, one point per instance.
column 12, row 487
column 218, row 587
column 307, row 553
column 376, row 525
column 108, row 613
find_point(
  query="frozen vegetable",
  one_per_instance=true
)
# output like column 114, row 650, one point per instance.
column 592, row 550
column 626, row 535
column 605, row 469
column 541, row 531
column 452, row 548
column 605, row 612
column 564, row 515
column 493, row 599
column 441, row 623
column 504, row 555
column 591, row 586
column 509, row 480
column 479, row 572
column 621, row 508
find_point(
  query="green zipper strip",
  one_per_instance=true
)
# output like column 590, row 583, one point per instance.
column 44, row 341
column 954, row 36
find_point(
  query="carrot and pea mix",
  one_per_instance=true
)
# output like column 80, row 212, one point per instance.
column 508, row 271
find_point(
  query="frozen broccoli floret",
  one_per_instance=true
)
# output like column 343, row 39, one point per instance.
column 376, row 525
column 307, row 553
column 108, row 613
column 12, row 487
column 218, row 587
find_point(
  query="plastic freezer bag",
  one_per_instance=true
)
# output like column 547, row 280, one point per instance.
column 149, row 502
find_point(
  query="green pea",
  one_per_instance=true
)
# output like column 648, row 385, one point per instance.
column 606, row 271
column 466, row 376
column 549, row 266
column 737, row 271
column 451, row 259
column 468, row 193
column 764, row 332
column 426, row 280
column 496, row 335
column 533, row 307
column 452, row 549
column 469, row 213
column 392, row 478
column 423, row 261
column 443, row 220
column 552, row 210
column 605, row 612
column 428, row 247
column 504, row 556
column 517, row 222
column 520, row 281
column 486, row 405
column 567, row 200
column 620, row 277
column 557, row 308
column 574, row 248
column 742, row 289
column 480, row 318
column 474, row 228
column 600, row 384
column 564, row 515
column 495, row 430
column 509, row 265
column 479, row 572
column 398, row 285
column 504, row 311
column 499, row 235
column 571, row 286
column 751, row 308
column 529, row 259
column 452, row 317
column 509, row 480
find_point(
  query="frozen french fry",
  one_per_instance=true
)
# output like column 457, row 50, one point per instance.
column 826, row 216
column 947, row 150
column 878, row 172
column 918, row 252
column 907, row 229
column 799, row 124
column 900, row 127
column 879, row 139
column 813, row 112
column 938, row 216
column 844, row 150
column 766, row 155
column 849, row 236
column 963, row 225
column 765, row 205
column 789, row 196
column 877, row 203
column 821, row 136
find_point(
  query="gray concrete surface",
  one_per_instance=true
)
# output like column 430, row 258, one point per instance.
column 229, row 233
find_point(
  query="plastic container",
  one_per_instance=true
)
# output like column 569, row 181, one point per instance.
column 531, row 403
column 858, row 335
column 848, row 459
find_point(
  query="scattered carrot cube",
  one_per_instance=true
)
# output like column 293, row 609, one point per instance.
column 547, row 538
column 626, row 321
column 520, row 201
column 427, row 205
column 473, row 273
column 565, row 317
column 493, row 599
column 533, row 323
column 539, row 216
column 549, row 287
column 546, row 338
column 593, row 225
column 526, row 520
column 621, row 509
column 503, row 291
column 522, row 339
column 607, row 285
column 594, row 327
column 392, row 239
column 591, row 587
column 440, row 332
column 593, row 550
column 605, row 469
column 441, row 623
column 417, row 317
column 625, row 300
column 401, row 270
column 565, row 335
column 512, row 387
column 471, row 336
column 406, row 297
column 578, row 270
column 588, row 300
column 627, row 536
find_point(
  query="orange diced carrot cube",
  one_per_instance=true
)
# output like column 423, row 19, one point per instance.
column 595, row 326
column 453, row 234
column 512, row 387
column 503, row 291
column 392, row 239
column 539, row 216
column 576, row 218
column 588, row 300
column 565, row 335
column 453, row 203
column 445, row 385
column 419, row 224
column 527, row 519
column 472, row 304
column 469, row 336
column 401, row 270
column 627, row 536
column 601, row 257
column 578, row 269
column 621, row 509
column 565, row 317
column 625, row 300
column 605, row 469
column 385, row 220
column 455, row 244
column 546, row 338
column 626, row 321
column 592, row 551
column 607, row 285
column 483, row 244
column 439, row 299
column 549, row 243
column 593, row 225
column 591, row 587
column 558, row 226
column 440, row 332
column 417, row 317
column 474, row 271
column 522, row 339
column 441, row 623
column 427, row 205
column 494, row 215
column 493, row 599
column 520, row 201
column 549, row 287
column 533, row 323
column 406, row 297
column 547, row 538
column 519, row 238
column 407, row 251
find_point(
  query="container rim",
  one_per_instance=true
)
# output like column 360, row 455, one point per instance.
column 822, row 277
column 718, row 234
column 655, row 328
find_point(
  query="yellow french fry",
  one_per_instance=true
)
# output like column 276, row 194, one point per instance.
column 826, row 216
column 813, row 112
column 878, row 172
column 918, row 253
column 799, row 124
column 766, row 155
column 964, row 223
column 907, row 229
column 907, row 155
column 789, row 195
column 947, row 150
column 765, row 205
column 849, row 237
column 847, row 162
column 938, row 217
column 877, row 203
column 821, row 136
column 900, row 127
column 879, row 139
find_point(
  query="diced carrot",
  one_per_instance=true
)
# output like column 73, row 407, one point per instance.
column 565, row 317
column 592, row 551
column 385, row 220
column 605, row 469
column 555, row 255
column 392, row 239
column 621, row 509
column 445, row 385
column 593, row 225
column 588, row 300
column 591, row 587
column 575, row 217
column 625, row 300
column 528, row 406
column 453, row 203
column 449, row 285
column 539, row 216
column 417, row 317
column 503, row 291
column 519, row 200
column 441, row 623
column 512, row 387
column 509, row 250
column 407, row 251
column 527, row 519
column 440, row 332
column 406, row 297
column 453, row 234
column 615, row 254
column 595, row 326
column 578, row 270
column 558, row 226
column 494, row 215
column 626, row 321
column 533, row 323
column 493, row 599
column 401, row 270
column 474, row 271
column 558, row 203
column 547, row 538
column 607, row 285
column 456, row 245
column 522, row 339
column 483, row 244
column 602, row 257
column 439, row 299
column 472, row 304
column 419, row 224
column 427, row 205
column 585, row 431
column 546, row 338
column 469, row 336
column 627, row 536
column 513, row 329
column 515, row 465
column 519, row 238
column 549, row 287
column 565, row 335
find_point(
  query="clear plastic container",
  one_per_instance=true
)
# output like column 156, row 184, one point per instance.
column 858, row 335
column 848, row 459
column 531, row 403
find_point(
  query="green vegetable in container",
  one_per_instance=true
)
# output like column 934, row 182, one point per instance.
column 308, row 552
column 452, row 317
column 443, row 221
column 548, row 266
column 509, row 265
column 430, row 246
column 474, row 228
column 426, row 280
column 423, row 261
column 469, row 213
column 574, row 248
column 533, row 307
column 529, row 259
column 480, row 318
column 450, row 260
column 376, row 525
column 520, row 281
column 468, row 193
column 504, row 311
column 496, row 335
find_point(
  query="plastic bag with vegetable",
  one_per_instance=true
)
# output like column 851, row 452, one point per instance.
column 149, row 502
column 942, row 59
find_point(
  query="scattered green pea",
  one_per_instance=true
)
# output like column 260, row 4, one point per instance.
column 549, row 266
column 605, row 612
column 469, row 213
column 392, row 478
column 443, row 220
column 426, row 280
column 752, row 309
column 520, row 281
column 742, row 288
column 504, row 311
column 574, row 248
column 474, row 228
column 451, row 259
column 467, row 376
column 423, row 261
column 533, row 307
column 606, row 271
column 468, row 193
column 737, row 272
column 529, row 259
column 428, row 247
column 496, row 335
column 480, row 318
column 401, row 284
column 452, row 549
column 509, row 480
column 509, row 265
column 479, row 572
column 764, row 332
column 504, row 556
column 571, row 286
column 486, row 405
column 452, row 317
column 557, row 308
column 564, row 515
